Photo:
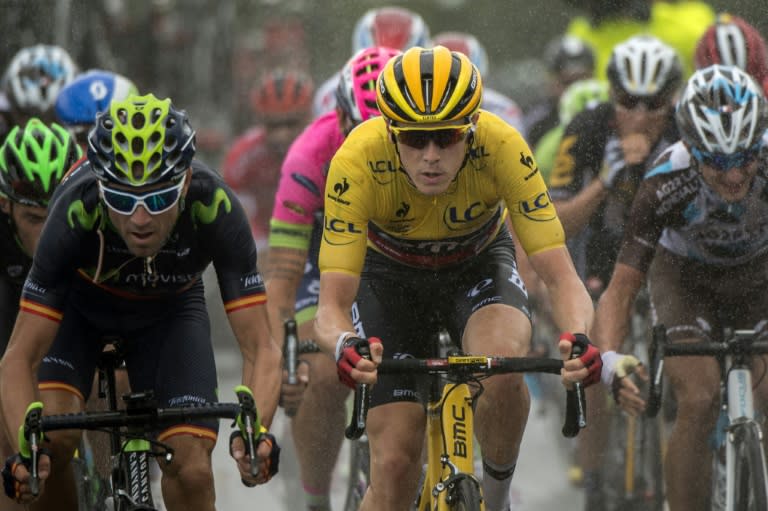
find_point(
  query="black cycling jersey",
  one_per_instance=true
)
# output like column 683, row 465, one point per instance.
column 578, row 163
column 14, row 266
column 211, row 227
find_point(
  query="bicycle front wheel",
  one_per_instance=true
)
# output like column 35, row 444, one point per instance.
column 357, row 484
column 464, row 495
column 751, row 493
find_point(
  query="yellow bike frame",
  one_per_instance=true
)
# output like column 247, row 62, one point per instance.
column 449, row 424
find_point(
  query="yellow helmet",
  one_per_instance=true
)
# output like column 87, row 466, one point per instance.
column 434, row 85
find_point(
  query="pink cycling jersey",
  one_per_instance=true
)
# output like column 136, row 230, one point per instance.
column 302, row 180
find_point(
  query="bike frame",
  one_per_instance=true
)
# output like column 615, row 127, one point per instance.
column 450, row 445
column 741, row 410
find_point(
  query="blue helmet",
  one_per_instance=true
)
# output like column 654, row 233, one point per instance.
column 90, row 93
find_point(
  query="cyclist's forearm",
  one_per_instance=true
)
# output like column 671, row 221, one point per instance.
column 615, row 308
column 284, row 271
column 264, row 380
column 17, row 391
column 337, row 295
column 576, row 212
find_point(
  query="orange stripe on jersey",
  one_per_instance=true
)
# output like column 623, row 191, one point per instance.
column 248, row 301
column 40, row 310
column 197, row 431
column 57, row 385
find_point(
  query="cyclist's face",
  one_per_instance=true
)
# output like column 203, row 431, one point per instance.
column 280, row 134
column 29, row 222
column 732, row 184
column 145, row 234
column 432, row 158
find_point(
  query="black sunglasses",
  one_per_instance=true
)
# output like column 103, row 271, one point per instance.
column 631, row 102
column 420, row 138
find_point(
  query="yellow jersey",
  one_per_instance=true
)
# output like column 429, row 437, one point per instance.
column 370, row 201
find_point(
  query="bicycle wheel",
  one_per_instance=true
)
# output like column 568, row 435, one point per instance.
column 92, row 489
column 357, row 483
column 464, row 495
column 750, row 492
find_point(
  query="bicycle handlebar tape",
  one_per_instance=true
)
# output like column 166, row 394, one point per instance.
column 575, row 403
column 290, row 350
column 656, row 361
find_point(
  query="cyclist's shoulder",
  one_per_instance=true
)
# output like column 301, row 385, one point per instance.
column 672, row 162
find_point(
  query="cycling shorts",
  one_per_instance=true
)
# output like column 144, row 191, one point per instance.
column 406, row 307
column 695, row 301
column 167, row 345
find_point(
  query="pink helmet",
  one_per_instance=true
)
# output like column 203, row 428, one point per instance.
column 356, row 92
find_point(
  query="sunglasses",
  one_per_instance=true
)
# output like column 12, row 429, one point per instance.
column 725, row 162
column 631, row 102
column 419, row 138
column 155, row 202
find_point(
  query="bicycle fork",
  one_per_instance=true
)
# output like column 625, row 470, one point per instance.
column 450, row 440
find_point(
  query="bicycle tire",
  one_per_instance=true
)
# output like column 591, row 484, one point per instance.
column 464, row 494
column 359, row 477
column 750, row 492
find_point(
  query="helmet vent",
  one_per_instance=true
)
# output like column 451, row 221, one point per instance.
column 121, row 140
column 138, row 120
column 170, row 143
column 105, row 144
column 122, row 115
column 154, row 160
column 137, row 146
column 107, row 123
column 155, row 115
column 154, row 140
column 137, row 169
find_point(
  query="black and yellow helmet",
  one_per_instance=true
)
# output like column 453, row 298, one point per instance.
column 434, row 85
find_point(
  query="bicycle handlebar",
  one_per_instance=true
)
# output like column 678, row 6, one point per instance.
column 148, row 419
column 462, row 367
column 740, row 342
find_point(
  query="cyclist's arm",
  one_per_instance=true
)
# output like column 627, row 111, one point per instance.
column 31, row 338
column 572, row 307
column 261, row 358
column 283, row 273
column 576, row 212
column 615, row 307
column 337, row 295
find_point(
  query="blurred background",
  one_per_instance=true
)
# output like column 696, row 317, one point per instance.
column 207, row 54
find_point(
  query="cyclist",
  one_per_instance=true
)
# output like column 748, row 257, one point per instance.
column 32, row 80
column 130, row 231
column 606, row 24
column 603, row 155
column 390, row 27
column 415, row 231
column 698, row 233
column 493, row 101
column 88, row 94
column 282, row 102
column 33, row 159
column 732, row 41
column 568, row 60
column 292, row 275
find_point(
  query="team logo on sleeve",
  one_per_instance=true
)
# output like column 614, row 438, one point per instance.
column 539, row 209
column 339, row 189
column 527, row 160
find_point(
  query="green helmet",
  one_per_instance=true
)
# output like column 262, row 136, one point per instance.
column 581, row 95
column 141, row 140
column 33, row 160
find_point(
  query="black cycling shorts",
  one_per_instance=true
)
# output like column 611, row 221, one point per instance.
column 167, row 344
column 406, row 306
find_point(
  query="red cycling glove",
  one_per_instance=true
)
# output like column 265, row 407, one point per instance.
column 590, row 356
column 349, row 354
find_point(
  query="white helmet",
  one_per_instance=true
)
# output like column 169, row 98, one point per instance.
column 644, row 66
column 35, row 76
column 722, row 111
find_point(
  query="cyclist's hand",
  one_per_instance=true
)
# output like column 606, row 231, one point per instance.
column 613, row 163
column 587, row 367
column 636, row 148
column 268, row 452
column 16, row 477
column 351, row 367
column 622, row 373
column 292, row 395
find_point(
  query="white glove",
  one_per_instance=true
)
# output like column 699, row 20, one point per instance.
column 613, row 162
column 617, row 365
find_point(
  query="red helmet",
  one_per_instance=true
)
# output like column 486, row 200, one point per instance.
column 731, row 41
column 283, row 94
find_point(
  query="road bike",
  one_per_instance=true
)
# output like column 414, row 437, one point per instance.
column 131, row 430
column 744, row 487
column 449, row 482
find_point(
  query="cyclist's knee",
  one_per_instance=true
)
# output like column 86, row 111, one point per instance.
column 62, row 446
column 700, row 407
column 191, row 464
